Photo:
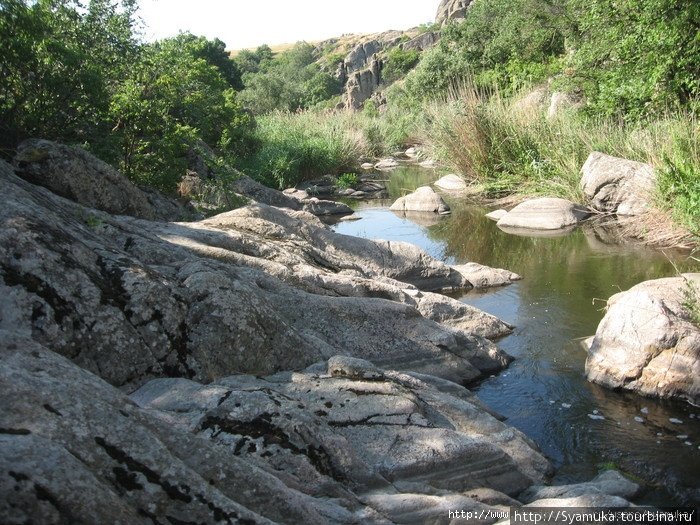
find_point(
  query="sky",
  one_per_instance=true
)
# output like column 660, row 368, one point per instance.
column 250, row 23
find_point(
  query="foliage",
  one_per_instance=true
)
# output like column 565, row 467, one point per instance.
column 59, row 65
column 291, row 80
column 637, row 57
column 348, row 180
column 398, row 63
column 489, row 139
column 301, row 146
column 79, row 75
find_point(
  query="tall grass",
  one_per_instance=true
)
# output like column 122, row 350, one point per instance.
column 511, row 147
column 300, row 146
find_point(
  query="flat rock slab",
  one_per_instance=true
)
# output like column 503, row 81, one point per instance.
column 616, row 185
column 387, row 164
column 546, row 213
column 649, row 342
column 496, row 215
column 423, row 199
column 451, row 183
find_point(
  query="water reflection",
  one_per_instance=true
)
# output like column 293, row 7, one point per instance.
column 544, row 392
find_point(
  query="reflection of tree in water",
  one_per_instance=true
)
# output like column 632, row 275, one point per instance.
column 573, row 269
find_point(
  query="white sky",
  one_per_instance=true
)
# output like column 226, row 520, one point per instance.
column 250, row 23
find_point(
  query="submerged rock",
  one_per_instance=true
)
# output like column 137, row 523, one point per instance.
column 616, row 185
column 544, row 213
column 649, row 341
column 423, row 199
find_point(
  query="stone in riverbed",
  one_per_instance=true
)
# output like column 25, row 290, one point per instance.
column 486, row 277
column 546, row 213
column 616, row 185
column 496, row 215
column 451, row 182
column 423, row 199
column 367, row 166
column 387, row 164
column 647, row 342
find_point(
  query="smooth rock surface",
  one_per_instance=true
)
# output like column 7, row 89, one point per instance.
column 486, row 277
column 451, row 183
column 647, row 342
column 423, row 199
column 497, row 215
column 255, row 290
column 615, row 185
column 546, row 213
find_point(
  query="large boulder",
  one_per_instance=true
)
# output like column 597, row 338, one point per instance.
column 615, row 185
column 451, row 183
column 77, row 175
column 256, row 290
column 423, row 199
column 649, row 340
column 544, row 213
column 451, row 10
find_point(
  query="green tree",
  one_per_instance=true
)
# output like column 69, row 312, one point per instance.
column 636, row 57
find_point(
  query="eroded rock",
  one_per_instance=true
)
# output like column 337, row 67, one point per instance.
column 451, row 183
column 616, row 185
column 649, row 340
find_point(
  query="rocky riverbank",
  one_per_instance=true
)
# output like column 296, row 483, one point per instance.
column 185, row 317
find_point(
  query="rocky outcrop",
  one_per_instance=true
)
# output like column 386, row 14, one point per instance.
column 75, row 174
column 543, row 214
column 649, row 340
column 254, row 290
column 361, row 85
column 422, row 42
column 424, row 199
column 615, row 185
column 451, row 183
column 496, row 215
column 451, row 10
column 562, row 102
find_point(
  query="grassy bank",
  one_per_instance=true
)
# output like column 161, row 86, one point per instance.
column 512, row 147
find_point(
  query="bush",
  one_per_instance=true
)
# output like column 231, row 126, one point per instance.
column 398, row 63
column 301, row 146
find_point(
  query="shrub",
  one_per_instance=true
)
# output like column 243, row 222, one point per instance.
column 398, row 63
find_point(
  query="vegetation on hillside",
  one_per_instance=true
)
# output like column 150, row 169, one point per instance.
column 82, row 75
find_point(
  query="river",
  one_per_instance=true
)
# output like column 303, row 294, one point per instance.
column 561, row 299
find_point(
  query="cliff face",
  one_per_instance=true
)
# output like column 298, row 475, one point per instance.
column 451, row 9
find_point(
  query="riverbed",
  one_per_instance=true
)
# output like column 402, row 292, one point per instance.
column 560, row 301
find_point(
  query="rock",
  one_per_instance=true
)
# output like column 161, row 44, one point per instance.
column 428, row 164
column 255, row 290
column 423, row 199
column 422, row 42
column 359, row 427
column 451, row 183
column 75, row 174
column 647, row 341
column 367, row 166
column 411, row 152
column 321, row 207
column 387, row 164
column 533, row 102
column 562, row 102
column 496, row 215
column 481, row 276
column 370, row 187
column 609, row 483
column 616, row 185
column 259, row 193
column 543, row 214
column 451, row 9
column 361, row 85
column 353, row 368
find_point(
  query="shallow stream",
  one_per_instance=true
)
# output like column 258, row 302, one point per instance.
column 544, row 392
